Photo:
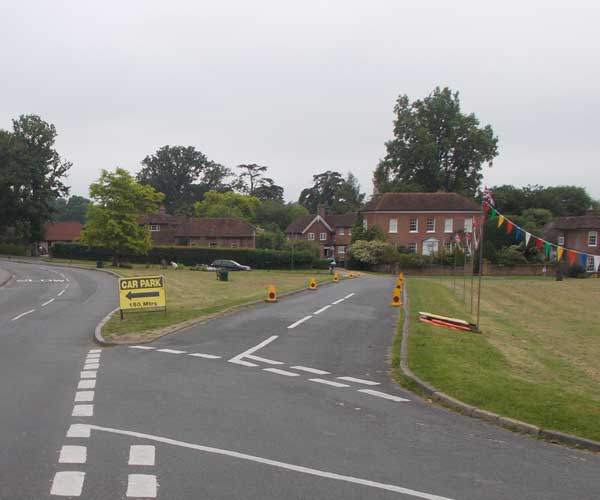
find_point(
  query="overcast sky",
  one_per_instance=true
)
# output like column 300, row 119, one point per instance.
column 303, row 86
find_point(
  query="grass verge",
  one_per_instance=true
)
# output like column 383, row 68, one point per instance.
column 536, row 361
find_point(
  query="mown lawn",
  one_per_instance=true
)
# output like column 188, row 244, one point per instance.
column 195, row 294
column 537, row 360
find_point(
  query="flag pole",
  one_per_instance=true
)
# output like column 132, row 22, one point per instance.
column 482, row 225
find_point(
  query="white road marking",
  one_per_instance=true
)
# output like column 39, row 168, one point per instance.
column 23, row 314
column 349, row 295
column 141, row 455
column 206, row 356
column 281, row 372
column 141, row 486
column 264, row 360
column 383, row 395
column 171, row 351
column 67, row 484
column 94, row 351
column 91, row 366
column 92, row 360
column 322, row 309
column 274, row 463
column 72, row 455
column 328, row 382
column 238, row 359
column 145, row 347
column 84, row 396
column 88, row 374
column 336, row 302
column 310, row 370
column 86, row 384
column 79, row 431
column 83, row 411
column 48, row 302
column 92, row 355
column 299, row 322
column 358, row 380
column 61, row 292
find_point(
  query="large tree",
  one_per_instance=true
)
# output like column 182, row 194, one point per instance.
column 435, row 147
column 73, row 209
column 329, row 188
column 183, row 174
column 31, row 176
column 228, row 204
column 117, row 203
column 253, row 182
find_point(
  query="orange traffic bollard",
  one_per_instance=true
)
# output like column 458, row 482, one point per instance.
column 396, row 298
column 313, row 284
column 336, row 277
column 351, row 275
column 271, row 294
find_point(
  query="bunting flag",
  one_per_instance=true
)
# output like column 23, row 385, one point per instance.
column 559, row 253
column 571, row 255
column 500, row 220
column 527, row 238
column 493, row 212
column 547, row 248
column 518, row 234
column 584, row 258
column 597, row 262
column 538, row 244
column 509, row 227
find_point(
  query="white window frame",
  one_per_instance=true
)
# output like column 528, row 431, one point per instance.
column 311, row 236
column 322, row 236
column 235, row 245
column 561, row 240
column 349, row 231
column 591, row 264
column 393, row 226
column 212, row 244
column 594, row 235
column 468, row 224
column 341, row 250
column 410, row 222
column 413, row 247
column 448, row 225
column 341, row 231
column 154, row 228
column 432, row 220
column 365, row 224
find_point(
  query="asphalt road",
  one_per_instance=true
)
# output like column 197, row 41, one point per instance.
column 289, row 400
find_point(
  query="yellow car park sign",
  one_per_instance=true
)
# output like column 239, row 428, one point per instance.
column 142, row 292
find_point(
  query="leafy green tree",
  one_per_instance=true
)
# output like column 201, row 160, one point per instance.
column 435, row 147
column 117, row 203
column 329, row 188
column 74, row 209
column 273, row 239
column 281, row 214
column 31, row 176
column 228, row 204
column 183, row 175
column 368, row 253
column 252, row 181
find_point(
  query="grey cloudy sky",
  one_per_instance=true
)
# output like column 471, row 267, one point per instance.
column 303, row 86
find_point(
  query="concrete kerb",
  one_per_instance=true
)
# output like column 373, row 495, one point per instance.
column 473, row 411
column 5, row 277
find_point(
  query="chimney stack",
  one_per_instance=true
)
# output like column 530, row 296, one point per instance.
column 321, row 210
column 162, row 210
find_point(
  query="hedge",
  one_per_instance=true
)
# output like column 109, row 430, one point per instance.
column 7, row 249
column 191, row 256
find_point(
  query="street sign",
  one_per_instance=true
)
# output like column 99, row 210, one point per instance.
column 142, row 292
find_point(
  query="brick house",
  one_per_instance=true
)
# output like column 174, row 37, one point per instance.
column 421, row 222
column 577, row 233
column 60, row 232
column 168, row 229
column 333, row 232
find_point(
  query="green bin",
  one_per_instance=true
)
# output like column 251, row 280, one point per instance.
column 222, row 275
column 99, row 264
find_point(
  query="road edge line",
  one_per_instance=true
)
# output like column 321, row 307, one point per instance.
column 508, row 423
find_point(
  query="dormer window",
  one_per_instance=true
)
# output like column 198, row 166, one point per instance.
column 154, row 227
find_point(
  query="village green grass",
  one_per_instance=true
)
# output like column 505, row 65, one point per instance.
column 196, row 294
column 537, row 359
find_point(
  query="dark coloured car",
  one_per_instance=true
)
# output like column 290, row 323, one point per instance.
column 229, row 265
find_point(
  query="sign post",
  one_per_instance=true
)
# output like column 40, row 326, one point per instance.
column 142, row 293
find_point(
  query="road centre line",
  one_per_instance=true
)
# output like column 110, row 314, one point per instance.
column 48, row 302
column 336, row 302
column 328, row 382
column 383, row 395
column 299, row 322
column 264, row 360
column 310, row 370
column 243, row 363
column 23, row 314
column 274, row 463
column 322, row 309
column 172, row 351
column 61, row 292
column 144, row 347
column 281, row 372
column 67, row 483
column 238, row 359
column 358, row 380
column 349, row 295
column 207, row 356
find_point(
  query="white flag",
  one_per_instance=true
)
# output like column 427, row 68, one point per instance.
column 527, row 238
column 596, row 262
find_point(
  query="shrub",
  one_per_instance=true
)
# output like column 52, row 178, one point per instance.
column 370, row 253
column 576, row 271
column 190, row 256
column 12, row 249
column 511, row 256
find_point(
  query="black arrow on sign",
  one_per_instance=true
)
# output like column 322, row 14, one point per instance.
column 141, row 295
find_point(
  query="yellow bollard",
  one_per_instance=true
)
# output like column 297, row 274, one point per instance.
column 396, row 298
column 358, row 274
column 271, row 294
column 336, row 277
column 401, row 276
column 312, row 284
column 399, row 283
column 351, row 275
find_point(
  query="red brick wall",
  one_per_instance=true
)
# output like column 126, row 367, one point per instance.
column 578, row 240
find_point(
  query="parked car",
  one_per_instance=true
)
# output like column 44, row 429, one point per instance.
column 229, row 265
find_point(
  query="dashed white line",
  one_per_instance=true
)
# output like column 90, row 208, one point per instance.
column 171, row 351
column 238, row 359
column 299, row 322
column 336, row 302
column 349, row 295
column 264, row 360
column 328, row 382
column 23, row 314
column 206, row 356
column 310, row 370
column 79, row 431
column 91, row 366
column 322, row 309
column 88, row 374
column 68, row 484
column 94, row 351
column 281, row 372
column 86, row 384
column 243, row 363
column 141, row 486
column 84, row 396
column 83, row 411
column 358, row 380
column 61, row 292
column 72, row 455
column 144, row 347
column 48, row 302
column 93, row 355
column 383, row 395
column 142, row 455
